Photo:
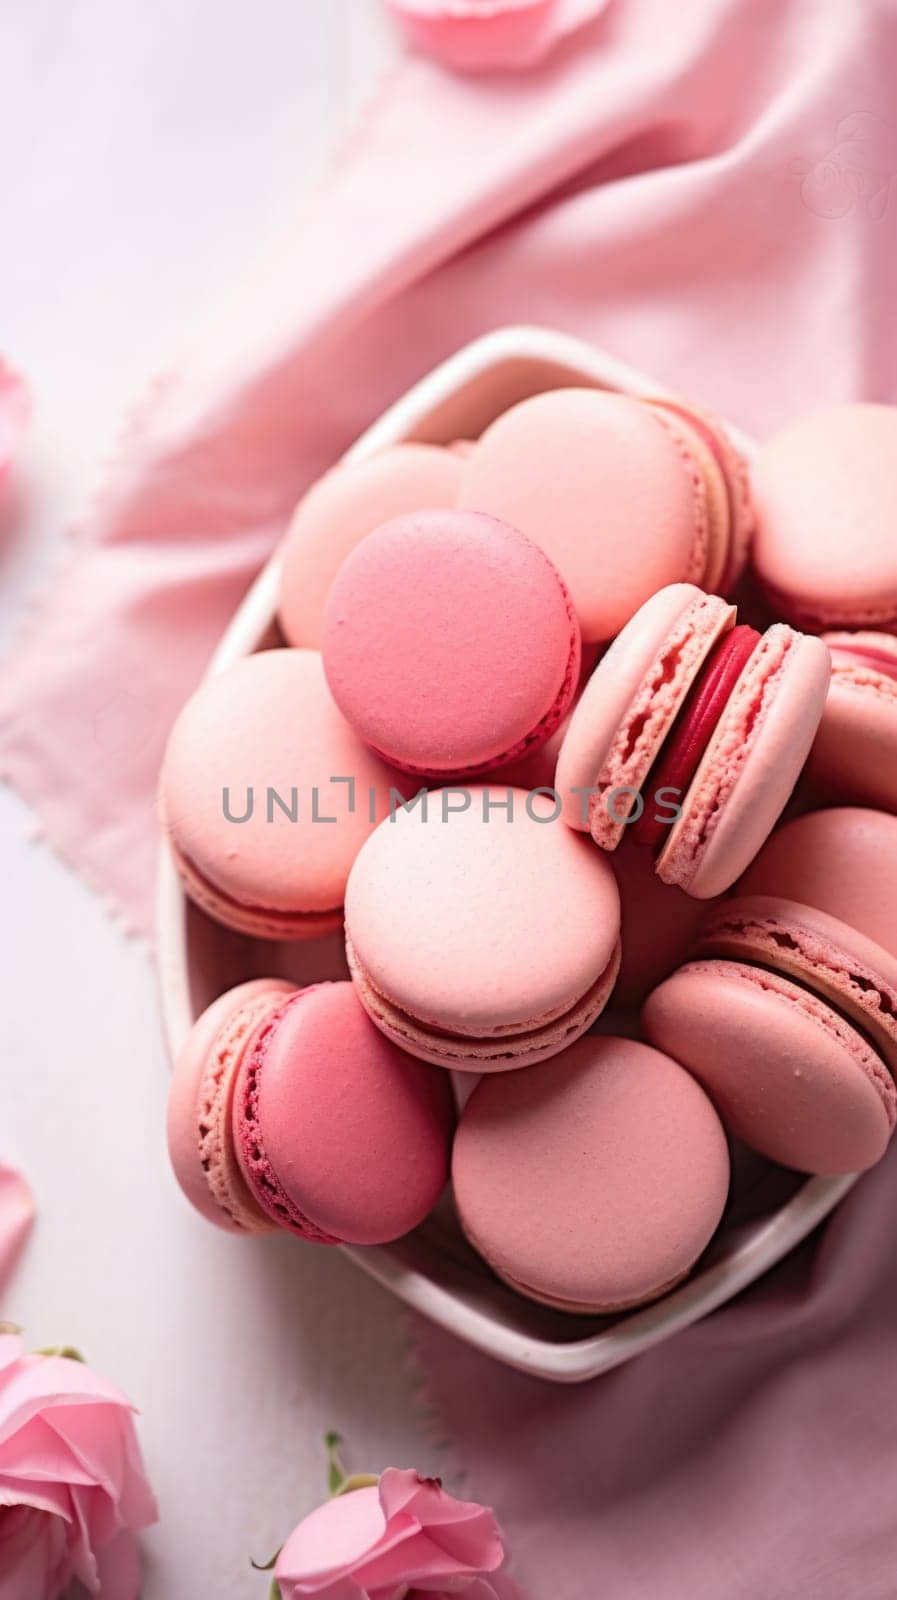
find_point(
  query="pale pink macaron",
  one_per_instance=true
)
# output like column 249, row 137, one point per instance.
column 854, row 755
column 727, row 478
column 483, row 938
column 690, row 736
column 842, row 860
column 625, row 497
column 342, row 508
column 594, row 1182
column 289, row 1109
column 450, row 643
column 788, row 1017
column 825, row 492
column 266, row 795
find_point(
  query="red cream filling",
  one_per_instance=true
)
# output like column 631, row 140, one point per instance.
column 693, row 730
column 865, row 656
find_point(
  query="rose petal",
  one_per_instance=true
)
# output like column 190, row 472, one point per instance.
column 16, row 1202
column 488, row 35
column 15, row 410
column 407, row 1534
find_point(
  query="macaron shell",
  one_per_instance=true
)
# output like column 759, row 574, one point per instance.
column 751, row 765
column 341, row 509
column 199, row 1105
column 787, row 1074
column 703, row 463
column 255, row 921
column 630, row 704
column 593, row 1182
column 269, row 723
column 825, row 491
column 603, row 487
column 855, row 975
column 502, row 1052
column 450, row 643
column 842, row 861
column 353, row 1133
column 483, row 928
column 735, row 473
column 854, row 756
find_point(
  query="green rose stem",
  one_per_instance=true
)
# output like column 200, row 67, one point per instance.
column 338, row 1482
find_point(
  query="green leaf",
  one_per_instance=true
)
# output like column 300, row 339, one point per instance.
column 336, row 1472
column 265, row 1566
column 274, row 1591
column 11, row 1327
column 66, row 1351
column 357, row 1480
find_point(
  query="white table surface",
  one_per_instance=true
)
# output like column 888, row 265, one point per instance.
column 146, row 152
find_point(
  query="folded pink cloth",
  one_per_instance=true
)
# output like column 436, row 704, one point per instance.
column 706, row 191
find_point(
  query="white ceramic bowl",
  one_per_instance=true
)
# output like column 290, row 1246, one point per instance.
column 433, row 1269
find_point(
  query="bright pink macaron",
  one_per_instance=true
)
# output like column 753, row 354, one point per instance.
column 341, row 509
column 691, row 735
column 594, row 1182
column 289, row 1109
column 266, row 795
column 788, row 1017
column 825, row 491
column 854, row 756
column 450, row 643
column 842, row 860
column 481, row 932
column 624, row 496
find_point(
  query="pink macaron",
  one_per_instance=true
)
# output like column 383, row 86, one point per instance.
column 289, row 1109
column 825, row 492
column 450, row 643
column 691, row 735
column 854, row 755
column 266, row 795
column 594, row 1182
column 342, row 508
column 842, row 860
column 481, row 932
column 788, row 1017
column 625, row 497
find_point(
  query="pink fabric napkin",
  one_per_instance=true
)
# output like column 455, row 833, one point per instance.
column 707, row 191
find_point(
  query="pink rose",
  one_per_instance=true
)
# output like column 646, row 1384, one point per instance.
column 485, row 35
column 15, row 409
column 16, row 1217
column 400, row 1538
column 72, row 1485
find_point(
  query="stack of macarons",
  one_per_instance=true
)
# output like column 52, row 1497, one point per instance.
column 521, row 747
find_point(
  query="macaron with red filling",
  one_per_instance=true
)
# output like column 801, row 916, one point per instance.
column 289, row 1109
column 788, row 1017
column 690, row 736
